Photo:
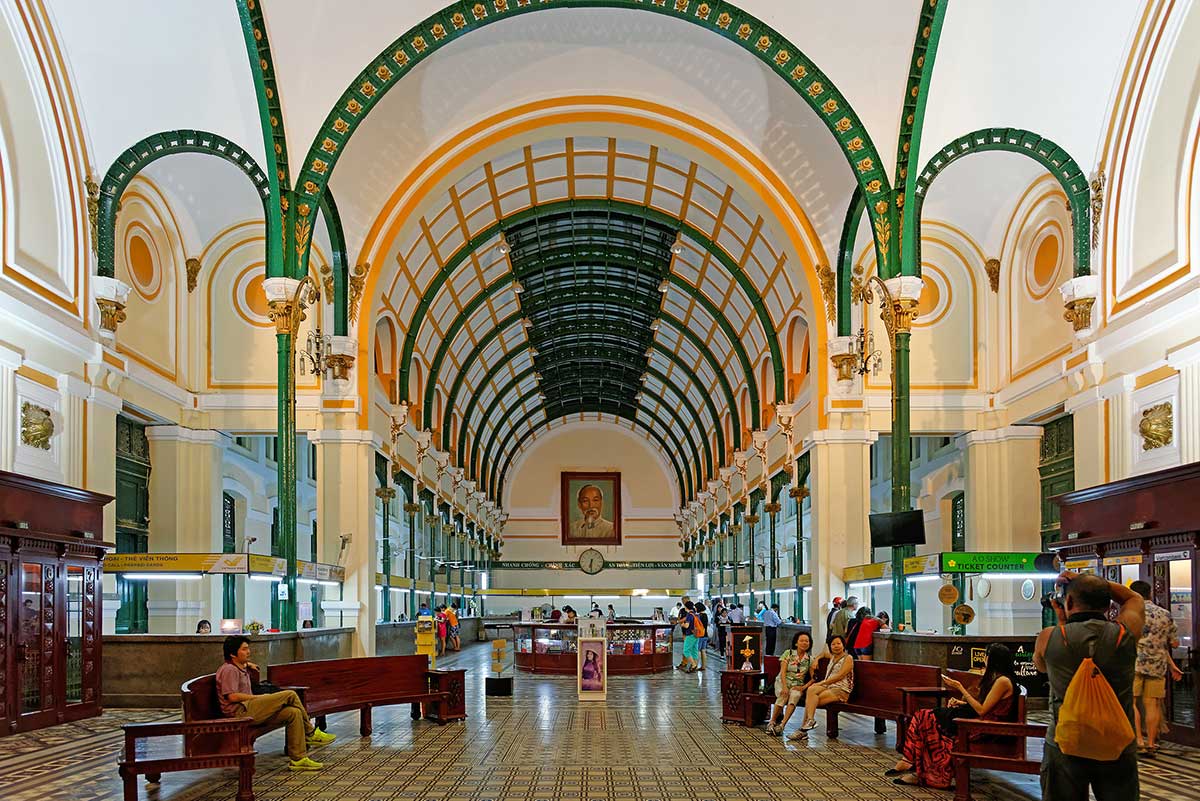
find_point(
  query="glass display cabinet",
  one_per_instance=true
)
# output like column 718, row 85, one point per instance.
column 632, row 647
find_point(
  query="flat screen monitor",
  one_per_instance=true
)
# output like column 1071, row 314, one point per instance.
column 897, row 528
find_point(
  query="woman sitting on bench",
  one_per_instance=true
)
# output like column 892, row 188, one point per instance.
column 834, row 688
column 930, row 738
column 795, row 674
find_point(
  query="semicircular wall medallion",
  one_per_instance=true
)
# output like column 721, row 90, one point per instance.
column 142, row 261
column 935, row 298
column 1044, row 260
column 249, row 298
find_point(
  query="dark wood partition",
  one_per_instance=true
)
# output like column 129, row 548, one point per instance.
column 51, row 550
column 1147, row 527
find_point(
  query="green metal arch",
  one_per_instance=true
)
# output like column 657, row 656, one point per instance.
column 281, row 214
column 663, row 316
column 655, row 396
column 484, row 341
column 679, row 476
column 502, row 393
column 154, row 147
column 1015, row 140
column 743, row 281
column 341, row 264
column 684, row 476
column 508, row 357
column 845, row 266
column 723, row 18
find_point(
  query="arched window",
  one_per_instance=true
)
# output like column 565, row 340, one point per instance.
column 744, row 405
column 797, row 357
column 385, row 357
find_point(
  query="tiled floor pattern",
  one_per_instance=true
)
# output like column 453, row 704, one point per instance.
column 657, row 738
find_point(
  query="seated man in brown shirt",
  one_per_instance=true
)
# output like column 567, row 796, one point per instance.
column 237, row 699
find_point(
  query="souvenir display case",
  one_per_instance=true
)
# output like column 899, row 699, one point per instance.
column 632, row 647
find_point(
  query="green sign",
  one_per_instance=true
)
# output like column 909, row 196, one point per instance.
column 974, row 562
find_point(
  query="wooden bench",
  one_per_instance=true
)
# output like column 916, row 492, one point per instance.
column 878, row 693
column 211, row 740
column 341, row 685
column 763, row 696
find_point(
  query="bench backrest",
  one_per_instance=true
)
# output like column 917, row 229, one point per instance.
column 771, row 669
column 876, row 684
column 199, row 697
column 333, row 681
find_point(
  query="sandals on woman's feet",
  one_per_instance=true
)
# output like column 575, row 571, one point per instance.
column 895, row 772
column 808, row 725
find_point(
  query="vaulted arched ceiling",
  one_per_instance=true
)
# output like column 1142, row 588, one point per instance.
column 585, row 274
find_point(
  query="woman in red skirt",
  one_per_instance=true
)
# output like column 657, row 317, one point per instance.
column 929, row 739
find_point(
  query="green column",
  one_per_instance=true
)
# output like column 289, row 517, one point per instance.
column 735, row 533
column 410, row 509
column 902, row 600
column 721, row 556
column 286, row 465
column 751, row 528
column 386, row 494
column 772, row 509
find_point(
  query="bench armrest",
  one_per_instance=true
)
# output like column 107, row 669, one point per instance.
column 143, row 731
column 909, row 696
column 968, row 726
column 924, row 690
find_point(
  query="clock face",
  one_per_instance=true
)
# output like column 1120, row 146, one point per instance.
column 591, row 561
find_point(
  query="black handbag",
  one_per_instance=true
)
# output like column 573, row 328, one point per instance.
column 947, row 715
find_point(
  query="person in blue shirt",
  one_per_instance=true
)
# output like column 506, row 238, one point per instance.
column 769, row 615
column 424, row 610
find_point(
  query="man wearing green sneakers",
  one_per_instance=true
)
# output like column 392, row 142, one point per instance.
column 237, row 698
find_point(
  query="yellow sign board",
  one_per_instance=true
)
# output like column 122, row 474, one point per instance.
column 1132, row 559
column 276, row 566
column 875, row 570
column 1081, row 564
column 176, row 563
column 316, row 571
column 929, row 563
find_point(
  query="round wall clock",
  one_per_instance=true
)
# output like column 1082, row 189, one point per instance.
column 591, row 561
column 983, row 587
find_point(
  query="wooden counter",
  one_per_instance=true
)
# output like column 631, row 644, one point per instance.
column 633, row 648
column 961, row 653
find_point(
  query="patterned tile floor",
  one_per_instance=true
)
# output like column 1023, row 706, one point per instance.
column 657, row 738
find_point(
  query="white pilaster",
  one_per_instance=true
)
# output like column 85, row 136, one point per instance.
column 1187, row 361
column 840, row 487
column 74, row 412
column 10, row 360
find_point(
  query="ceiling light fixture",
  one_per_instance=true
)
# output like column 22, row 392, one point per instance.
column 503, row 246
column 518, row 287
column 526, row 322
column 677, row 248
column 654, row 326
column 664, row 286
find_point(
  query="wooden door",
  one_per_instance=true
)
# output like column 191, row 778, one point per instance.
column 36, row 655
column 7, row 666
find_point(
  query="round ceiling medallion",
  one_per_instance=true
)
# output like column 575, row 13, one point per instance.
column 249, row 298
column 142, row 260
column 1044, row 261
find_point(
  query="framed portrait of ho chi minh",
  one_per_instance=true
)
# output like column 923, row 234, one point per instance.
column 591, row 508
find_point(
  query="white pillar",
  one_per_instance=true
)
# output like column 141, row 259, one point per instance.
column 346, row 511
column 74, row 411
column 840, row 495
column 1003, row 500
column 10, row 360
column 185, row 507
column 1187, row 361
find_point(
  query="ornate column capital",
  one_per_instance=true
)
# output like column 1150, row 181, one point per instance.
column 385, row 494
column 1079, row 296
column 905, row 292
column 342, row 352
column 111, row 296
column 841, row 353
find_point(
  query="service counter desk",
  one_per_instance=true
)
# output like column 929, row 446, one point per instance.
column 146, row 670
column 633, row 648
column 965, row 652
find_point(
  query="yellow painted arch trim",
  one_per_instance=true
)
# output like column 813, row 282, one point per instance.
column 770, row 190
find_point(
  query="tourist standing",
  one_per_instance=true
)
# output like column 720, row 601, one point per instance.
column 1150, row 671
column 769, row 615
column 1084, row 631
column 841, row 621
column 835, row 606
column 702, row 634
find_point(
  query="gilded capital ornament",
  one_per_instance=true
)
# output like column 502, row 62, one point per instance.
column 340, row 365
column 799, row 493
column 385, row 494
column 411, row 508
column 844, row 364
column 1078, row 313
column 112, row 314
column 992, row 266
column 904, row 311
column 751, row 519
column 193, row 273
column 828, row 281
column 771, row 508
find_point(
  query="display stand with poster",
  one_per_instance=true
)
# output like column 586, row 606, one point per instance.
column 426, row 640
column 591, row 675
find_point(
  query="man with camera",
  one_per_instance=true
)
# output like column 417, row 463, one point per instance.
column 1082, row 604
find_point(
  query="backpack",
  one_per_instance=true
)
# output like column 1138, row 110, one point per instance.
column 698, row 627
column 1091, row 722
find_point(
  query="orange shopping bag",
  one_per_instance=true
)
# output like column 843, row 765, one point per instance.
column 1091, row 722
